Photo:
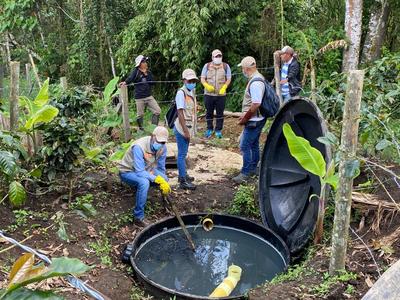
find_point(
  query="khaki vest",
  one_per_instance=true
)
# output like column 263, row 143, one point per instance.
column 150, row 158
column 216, row 76
column 189, row 113
column 246, row 103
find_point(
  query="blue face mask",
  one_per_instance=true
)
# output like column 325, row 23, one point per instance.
column 190, row 86
column 156, row 146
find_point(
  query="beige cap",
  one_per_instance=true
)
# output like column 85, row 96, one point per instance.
column 139, row 59
column 161, row 133
column 216, row 52
column 287, row 49
column 189, row 74
column 247, row 62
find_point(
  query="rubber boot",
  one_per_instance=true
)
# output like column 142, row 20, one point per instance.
column 185, row 184
column 155, row 119
column 189, row 178
column 140, row 123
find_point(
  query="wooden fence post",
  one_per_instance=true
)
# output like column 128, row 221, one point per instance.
column 125, row 112
column 28, row 77
column 348, row 148
column 14, row 94
column 1, row 80
column 64, row 83
column 277, row 75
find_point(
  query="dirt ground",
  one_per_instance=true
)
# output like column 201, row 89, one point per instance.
column 99, row 240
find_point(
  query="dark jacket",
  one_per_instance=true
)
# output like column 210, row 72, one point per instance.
column 143, row 87
column 293, row 77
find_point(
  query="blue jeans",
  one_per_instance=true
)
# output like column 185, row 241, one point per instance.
column 183, row 147
column 142, row 187
column 286, row 98
column 250, row 146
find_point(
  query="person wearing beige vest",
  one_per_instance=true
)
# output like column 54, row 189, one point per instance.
column 186, row 124
column 143, row 165
column 215, row 77
column 251, row 119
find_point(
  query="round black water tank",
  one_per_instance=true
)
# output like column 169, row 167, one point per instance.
column 154, row 254
column 284, row 186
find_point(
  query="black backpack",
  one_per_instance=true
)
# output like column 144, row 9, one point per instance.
column 270, row 101
column 171, row 115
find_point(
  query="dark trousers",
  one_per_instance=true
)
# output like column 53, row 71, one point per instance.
column 217, row 103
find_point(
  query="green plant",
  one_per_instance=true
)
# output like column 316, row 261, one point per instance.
column 24, row 272
column 328, row 281
column 243, row 203
column 312, row 161
column 58, row 219
column 64, row 137
column 293, row 273
column 138, row 294
column 83, row 206
column 102, row 247
column 37, row 112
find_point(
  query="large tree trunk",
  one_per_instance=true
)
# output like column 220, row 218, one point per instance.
column 352, row 27
column 376, row 31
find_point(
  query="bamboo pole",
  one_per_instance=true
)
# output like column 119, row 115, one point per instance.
column 14, row 94
column 277, row 75
column 125, row 112
column 35, row 70
column 348, row 147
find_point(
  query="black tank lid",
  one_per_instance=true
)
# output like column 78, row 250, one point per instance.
column 284, row 186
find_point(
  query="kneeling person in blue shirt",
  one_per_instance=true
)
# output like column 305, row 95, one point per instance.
column 144, row 164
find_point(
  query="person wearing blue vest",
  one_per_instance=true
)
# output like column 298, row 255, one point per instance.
column 252, row 121
column 142, row 78
column 215, row 77
column 143, row 165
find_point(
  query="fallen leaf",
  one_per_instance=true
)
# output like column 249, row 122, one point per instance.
column 92, row 232
column 65, row 252
column 369, row 282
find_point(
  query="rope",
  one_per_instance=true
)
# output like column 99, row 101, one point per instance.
column 75, row 282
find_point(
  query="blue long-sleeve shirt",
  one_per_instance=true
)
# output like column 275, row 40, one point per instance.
column 139, row 164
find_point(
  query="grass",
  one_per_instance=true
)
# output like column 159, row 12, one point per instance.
column 21, row 218
column 243, row 203
column 102, row 247
column 293, row 273
column 328, row 281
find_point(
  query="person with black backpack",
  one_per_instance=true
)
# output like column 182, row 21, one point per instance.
column 215, row 77
column 259, row 102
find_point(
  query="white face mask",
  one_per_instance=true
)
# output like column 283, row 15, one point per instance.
column 217, row 60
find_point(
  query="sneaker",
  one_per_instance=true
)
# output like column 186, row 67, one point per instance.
column 186, row 184
column 208, row 133
column 241, row 178
column 141, row 223
column 218, row 134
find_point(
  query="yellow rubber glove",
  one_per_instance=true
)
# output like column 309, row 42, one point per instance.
column 222, row 91
column 164, row 185
column 208, row 87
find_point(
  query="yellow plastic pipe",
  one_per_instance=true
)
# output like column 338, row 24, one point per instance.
column 208, row 224
column 229, row 283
